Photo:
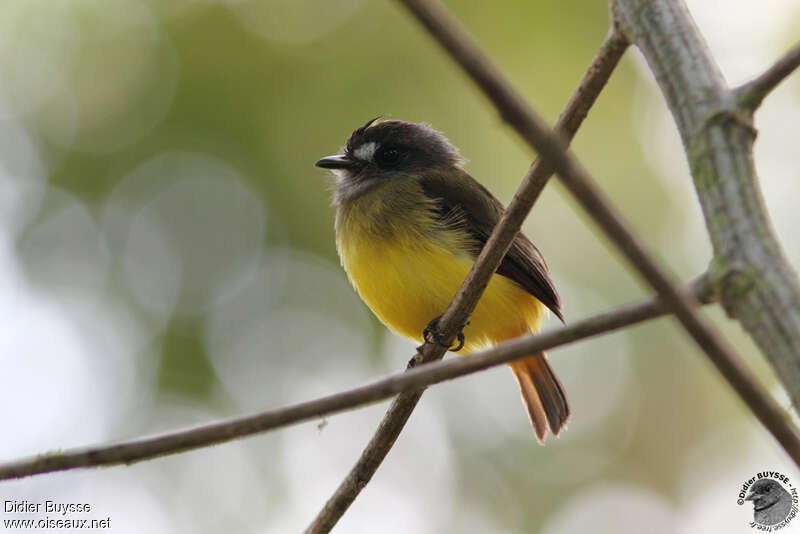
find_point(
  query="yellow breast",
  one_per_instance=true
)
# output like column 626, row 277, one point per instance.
column 407, row 271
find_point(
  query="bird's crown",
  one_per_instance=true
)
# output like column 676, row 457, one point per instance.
column 391, row 142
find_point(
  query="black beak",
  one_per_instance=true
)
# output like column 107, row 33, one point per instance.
column 335, row 162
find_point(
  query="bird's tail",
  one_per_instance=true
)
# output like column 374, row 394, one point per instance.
column 542, row 394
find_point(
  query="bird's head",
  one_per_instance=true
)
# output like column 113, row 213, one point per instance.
column 764, row 493
column 379, row 152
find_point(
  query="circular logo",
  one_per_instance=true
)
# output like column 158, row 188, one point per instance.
column 774, row 499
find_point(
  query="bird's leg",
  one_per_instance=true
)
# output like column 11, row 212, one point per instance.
column 431, row 334
column 460, row 338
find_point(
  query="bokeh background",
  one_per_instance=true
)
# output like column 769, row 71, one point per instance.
column 167, row 258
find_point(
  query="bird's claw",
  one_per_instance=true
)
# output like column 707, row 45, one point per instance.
column 431, row 335
column 460, row 338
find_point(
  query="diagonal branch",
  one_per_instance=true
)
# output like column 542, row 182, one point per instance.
column 422, row 376
column 467, row 297
column 751, row 94
column 577, row 180
column 757, row 285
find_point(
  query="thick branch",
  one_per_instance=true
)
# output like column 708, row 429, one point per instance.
column 534, row 130
column 419, row 377
column 489, row 259
column 757, row 285
column 750, row 95
column 575, row 178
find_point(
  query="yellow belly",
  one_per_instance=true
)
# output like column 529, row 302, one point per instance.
column 407, row 280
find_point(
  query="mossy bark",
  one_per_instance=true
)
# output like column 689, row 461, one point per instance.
column 749, row 272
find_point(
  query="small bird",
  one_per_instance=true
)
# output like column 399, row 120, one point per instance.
column 410, row 223
column 771, row 502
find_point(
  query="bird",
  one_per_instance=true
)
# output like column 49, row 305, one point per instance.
column 771, row 502
column 410, row 222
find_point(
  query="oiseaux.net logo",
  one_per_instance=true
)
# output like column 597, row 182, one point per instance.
column 774, row 499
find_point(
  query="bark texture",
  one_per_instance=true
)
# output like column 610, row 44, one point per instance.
column 750, row 273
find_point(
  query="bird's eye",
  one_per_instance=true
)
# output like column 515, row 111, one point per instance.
column 388, row 156
column 768, row 489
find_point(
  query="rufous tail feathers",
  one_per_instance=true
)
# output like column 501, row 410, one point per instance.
column 542, row 394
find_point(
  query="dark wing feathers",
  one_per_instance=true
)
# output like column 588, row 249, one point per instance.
column 463, row 199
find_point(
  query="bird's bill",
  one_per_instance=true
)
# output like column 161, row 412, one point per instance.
column 750, row 497
column 338, row 161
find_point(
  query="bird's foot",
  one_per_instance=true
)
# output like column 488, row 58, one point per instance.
column 431, row 334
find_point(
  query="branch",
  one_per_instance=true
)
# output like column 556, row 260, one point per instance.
column 578, row 182
column 419, row 377
column 750, row 95
column 514, row 110
column 756, row 283
column 489, row 259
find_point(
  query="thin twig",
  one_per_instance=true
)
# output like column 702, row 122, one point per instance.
column 757, row 284
column 515, row 111
column 422, row 376
column 534, row 130
column 751, row 94
column 467, row 297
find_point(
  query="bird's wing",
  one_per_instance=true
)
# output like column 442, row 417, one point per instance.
column 462, row 200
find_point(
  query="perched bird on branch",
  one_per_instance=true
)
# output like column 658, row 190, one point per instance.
column 410, row 223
